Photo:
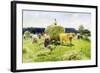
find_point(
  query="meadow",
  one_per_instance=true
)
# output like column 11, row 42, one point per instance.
column 36, row 52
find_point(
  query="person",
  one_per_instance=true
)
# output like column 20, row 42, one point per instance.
column 46, row 40
column 39, row 35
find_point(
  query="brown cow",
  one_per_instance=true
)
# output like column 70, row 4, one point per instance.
column 66, row 37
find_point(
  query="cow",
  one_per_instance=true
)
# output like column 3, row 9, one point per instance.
column 66, row 37
column 63, row 38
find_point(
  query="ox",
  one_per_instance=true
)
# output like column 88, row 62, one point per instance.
column 66, row 37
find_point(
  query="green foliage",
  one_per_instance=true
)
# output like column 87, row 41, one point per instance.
column 85, row 33
column 81, row 29
column 54, row 31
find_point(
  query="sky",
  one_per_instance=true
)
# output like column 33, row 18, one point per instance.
column 42, row 19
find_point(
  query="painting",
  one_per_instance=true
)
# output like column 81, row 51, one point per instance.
column 53, row 36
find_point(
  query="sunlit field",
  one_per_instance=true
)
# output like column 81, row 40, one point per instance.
column 80, row 49
column 50, row 36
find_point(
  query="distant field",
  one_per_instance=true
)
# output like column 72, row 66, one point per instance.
column 36, row 52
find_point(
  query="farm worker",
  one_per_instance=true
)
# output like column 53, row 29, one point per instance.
column 34, row 38
column 46, row 40
column 39, row 35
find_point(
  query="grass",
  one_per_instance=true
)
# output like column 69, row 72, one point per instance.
column 36, row 52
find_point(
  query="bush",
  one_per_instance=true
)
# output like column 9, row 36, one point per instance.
column 54, row 31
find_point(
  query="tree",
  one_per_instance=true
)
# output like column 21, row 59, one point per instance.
column 81, row 29
column 86, row 32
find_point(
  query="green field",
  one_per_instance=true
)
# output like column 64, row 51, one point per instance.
column 36, row 52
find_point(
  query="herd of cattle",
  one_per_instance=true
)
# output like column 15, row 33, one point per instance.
column 63, row 38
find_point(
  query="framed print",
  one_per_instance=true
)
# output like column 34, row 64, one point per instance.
column 47, row 36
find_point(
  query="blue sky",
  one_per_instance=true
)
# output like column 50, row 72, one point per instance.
column 65, row 19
